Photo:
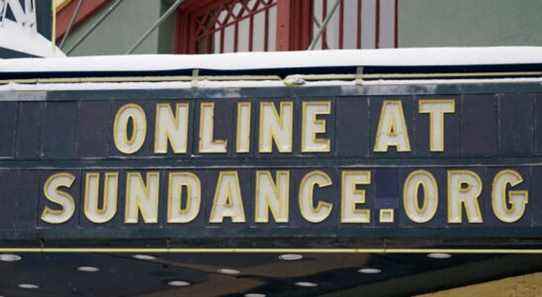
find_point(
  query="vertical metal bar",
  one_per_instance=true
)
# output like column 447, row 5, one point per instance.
column 396, row 25
column 359, row 28
column 72, row 21
column 324, row 25
column 236, row 37
column 155, row 25
column 222, row 37
column 266, row 31
column 341, row 24
column 251, row 32
column 93, row 27
column 324, row 32
column 377, row 24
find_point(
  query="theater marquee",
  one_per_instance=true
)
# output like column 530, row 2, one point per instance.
column 273, row 162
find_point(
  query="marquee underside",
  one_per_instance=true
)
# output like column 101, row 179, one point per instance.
column 335, row 274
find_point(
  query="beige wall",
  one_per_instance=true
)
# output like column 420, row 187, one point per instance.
column 529, row 285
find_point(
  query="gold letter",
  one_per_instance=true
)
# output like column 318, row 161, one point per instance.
column 436, row 110
column 517, row 201
column 125, row 143
column 207, row 143
column 92, row 197
column 392, row 128
column 172, row 128
column 176, row 213
column 142, row 198
column 227, row 201
column 306, row 201
column 272, row 196
column 351, row 197
column 242, row 144
column 54, row 194
column 464, row 187
column 411, row 201
column 276, row 128
column 313, row 126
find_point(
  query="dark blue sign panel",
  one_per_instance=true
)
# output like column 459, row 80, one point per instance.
column 339, row 165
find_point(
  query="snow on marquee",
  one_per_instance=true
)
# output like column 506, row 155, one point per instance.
column 446, row 56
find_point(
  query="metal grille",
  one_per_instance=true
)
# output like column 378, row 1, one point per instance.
column 22, row 12
column 356, row 24
column 236, row 26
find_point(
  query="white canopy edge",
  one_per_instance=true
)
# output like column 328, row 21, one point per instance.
column 445, row 56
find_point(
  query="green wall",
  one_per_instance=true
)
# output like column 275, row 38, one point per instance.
column 469, row 22
column 421, row 23
column 122, row 28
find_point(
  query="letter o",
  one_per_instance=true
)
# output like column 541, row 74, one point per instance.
column 415, row 180
column 129, row 144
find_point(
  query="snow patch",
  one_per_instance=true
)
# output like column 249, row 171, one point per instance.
column 446, row 56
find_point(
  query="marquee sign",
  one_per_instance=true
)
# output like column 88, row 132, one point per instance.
column 327, row 162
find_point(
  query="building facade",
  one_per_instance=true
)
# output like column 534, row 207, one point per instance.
column 269, row 25
column 407, row 172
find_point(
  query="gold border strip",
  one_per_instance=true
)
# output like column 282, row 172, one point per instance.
column 183, row 78
column 420, row 75
column 274, row 250
column 308, row 77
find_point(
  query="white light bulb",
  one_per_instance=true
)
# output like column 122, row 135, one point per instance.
column 228, row 271
column 290, row 257
column 439, row 256
column 306, row 284
column 28, row 286
column 369, row 270
column 88, row 269
column 10, row 257
column 144, row 257
column 178, row 283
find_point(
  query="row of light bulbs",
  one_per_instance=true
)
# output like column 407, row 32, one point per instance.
column 228, row 271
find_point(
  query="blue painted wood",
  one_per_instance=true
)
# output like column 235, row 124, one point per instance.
column 494, row 127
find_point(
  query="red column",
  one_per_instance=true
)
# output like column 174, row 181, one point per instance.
column 284, row 15
column 181, row 35
column 302, row 24
column 294, row 24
